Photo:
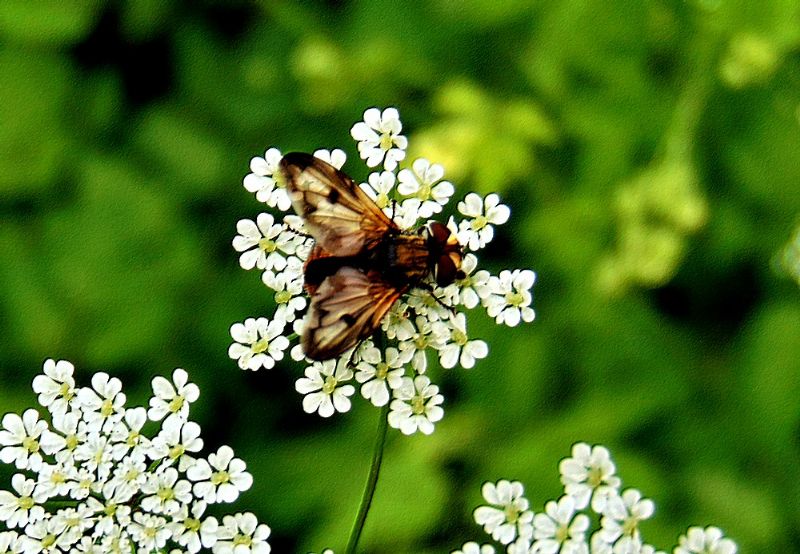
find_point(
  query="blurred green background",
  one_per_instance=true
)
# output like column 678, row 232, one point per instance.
column 650, row 151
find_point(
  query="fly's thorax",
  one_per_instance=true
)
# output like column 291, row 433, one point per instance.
column 406, row 259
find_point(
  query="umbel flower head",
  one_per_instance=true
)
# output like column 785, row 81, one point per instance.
column 419, row 322
column 94, row 475
column 592, row 493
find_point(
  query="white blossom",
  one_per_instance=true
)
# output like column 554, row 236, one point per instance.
column 221, row 478
column 259, row 343
column 705, row 541
column 507, row 515
column 477, row 231
column 242, row 534
column 325, row 388
column 379, row 137
column 416, row 406
column 119, row 488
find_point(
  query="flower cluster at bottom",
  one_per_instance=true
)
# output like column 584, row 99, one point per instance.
column 91, row 479
column 592, row 495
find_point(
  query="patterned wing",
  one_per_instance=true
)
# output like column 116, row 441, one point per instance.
column 346, row 308
column 338, row 214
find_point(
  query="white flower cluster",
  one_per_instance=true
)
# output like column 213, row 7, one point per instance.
column 92, row 480
column 423, row 321
column 591, row 493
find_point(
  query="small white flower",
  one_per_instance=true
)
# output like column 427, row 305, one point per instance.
column 705, row 541
column 127, row 434
column 103, row 404
column 475, row 548
column 416, row 406
column 73, row 521
column 378, row 375
column 264, row 243
column 378, row 136
column 324, row 388
column 176, row 439
column 71, row 431
column 559, row 529
column 54, row 480
column 288, row 287
column 263, row 183
column 460, row 349
column 589, row 473
column 511, row 297
column 21, row 509
column 56, row 388
column 191, row 531
column 96, row 454
column 149, row 531
column 85, row 483
column 335, row 157
column 379, row 187
column 172, row 398
column 472, row 289
column 477, row 231
column 221, row 478
column 426, row 335
column 507, row 514
column 259, row 343
column 164, row 493
column 42, row 536
column 128, row 476
column 19, row 439
column 622, row 516
column 423, row 182
column 242, row 534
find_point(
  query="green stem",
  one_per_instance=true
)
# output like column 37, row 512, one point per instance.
column 372, row 481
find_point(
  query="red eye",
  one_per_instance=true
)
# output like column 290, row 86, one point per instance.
column 439, row 232
column 445, row 270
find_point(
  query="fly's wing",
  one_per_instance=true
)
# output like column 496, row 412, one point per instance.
column 338, row 214
column 346, row 308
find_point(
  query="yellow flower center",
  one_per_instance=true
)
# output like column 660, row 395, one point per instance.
column 282, row 296
column 595, row 477
column 65, row 392
column 381, row 370
column 220, row 477
column 48, row 541
column 165, row 493
column 242, row 539
column 330, row 384
column 177, row 451
column 512, row 514
column 30, row 444
column 479, row 223
column 418, row 405
column 267, row 245
column 25, row 502
column 110, row 509
column 107, row 408
column 176, row 404
column 261, row 346
column 386, row 141
column 424, row 191
column 72, row 442
column 562, row 533
column 515, row 298
column 192, row 524
column 459, row 337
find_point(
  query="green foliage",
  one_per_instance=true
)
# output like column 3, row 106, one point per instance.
column 649, row 152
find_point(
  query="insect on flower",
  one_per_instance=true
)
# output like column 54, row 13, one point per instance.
column 362, row 261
